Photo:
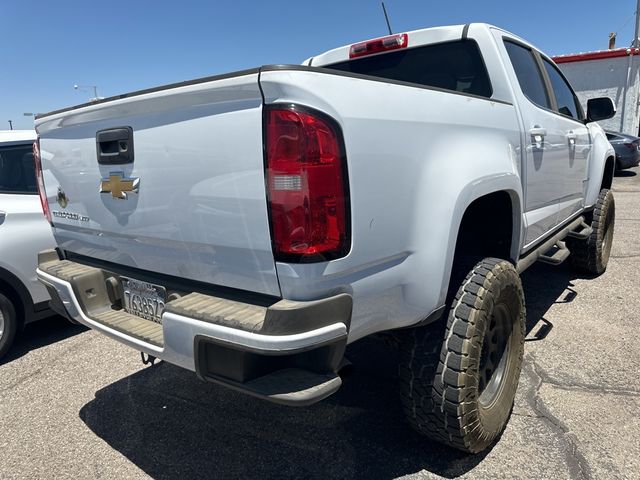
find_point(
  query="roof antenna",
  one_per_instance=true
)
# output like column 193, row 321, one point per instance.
column 386, row 17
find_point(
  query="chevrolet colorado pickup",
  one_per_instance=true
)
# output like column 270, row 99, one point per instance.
column 249, row 226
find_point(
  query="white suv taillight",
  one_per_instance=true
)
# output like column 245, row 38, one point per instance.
column 40, row 179
column 307, row 186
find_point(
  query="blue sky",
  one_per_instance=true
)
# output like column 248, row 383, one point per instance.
column 121, row 46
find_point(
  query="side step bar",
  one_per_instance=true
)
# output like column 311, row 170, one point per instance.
column 556, row 258
column 583, row 233
column 562, row 252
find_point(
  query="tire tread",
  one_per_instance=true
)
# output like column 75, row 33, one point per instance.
column 439, row 378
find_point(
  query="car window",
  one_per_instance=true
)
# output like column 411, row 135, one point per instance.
column 565, row 98
column 456, row 66
column 528, row 73
column 17, row 170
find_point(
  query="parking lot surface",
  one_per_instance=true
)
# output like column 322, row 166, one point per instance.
column 75, row 404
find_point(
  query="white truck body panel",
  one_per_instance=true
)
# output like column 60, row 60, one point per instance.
column 201, row 214
column 554, row 170
column 395, row 147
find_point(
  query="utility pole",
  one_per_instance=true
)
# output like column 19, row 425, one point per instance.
column 94, row 88
column 636, row 42
column 10, row 125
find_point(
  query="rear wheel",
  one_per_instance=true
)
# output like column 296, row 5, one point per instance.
column 592, row 254
column 458, row 381
column 8, row 324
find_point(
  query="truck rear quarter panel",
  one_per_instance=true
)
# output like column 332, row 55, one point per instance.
column 416, row 158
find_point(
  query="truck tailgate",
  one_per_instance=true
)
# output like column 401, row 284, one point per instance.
column 200, row 208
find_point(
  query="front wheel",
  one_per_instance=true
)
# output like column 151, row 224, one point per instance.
column 8, row 324
column 592, row 254
column 458, row 383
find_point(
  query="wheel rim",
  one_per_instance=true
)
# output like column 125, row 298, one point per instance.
column 1, row 324
column 493, row 359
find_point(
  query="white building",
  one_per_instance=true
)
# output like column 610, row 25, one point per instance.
column 608, row 73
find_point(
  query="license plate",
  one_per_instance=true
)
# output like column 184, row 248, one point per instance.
column 144, row 299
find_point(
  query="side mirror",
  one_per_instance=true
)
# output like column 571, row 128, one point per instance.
column 600, row 108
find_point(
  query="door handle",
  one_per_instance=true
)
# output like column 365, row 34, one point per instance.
column 537, row 135
column 572, row 138
column 537, row 131
column 2, row 216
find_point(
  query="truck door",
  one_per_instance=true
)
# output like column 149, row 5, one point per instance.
column 546, row 152
column 577, row 139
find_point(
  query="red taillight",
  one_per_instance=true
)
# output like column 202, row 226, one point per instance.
column 306, row 184
column 384, row 44
column 40, row 179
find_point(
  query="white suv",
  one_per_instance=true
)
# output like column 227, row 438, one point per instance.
column 24, row 232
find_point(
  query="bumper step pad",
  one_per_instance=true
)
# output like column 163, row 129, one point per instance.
column 145, row 330
column 90, row 287
column 219, row 311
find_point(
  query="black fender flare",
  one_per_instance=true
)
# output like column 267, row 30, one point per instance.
column 13, row 288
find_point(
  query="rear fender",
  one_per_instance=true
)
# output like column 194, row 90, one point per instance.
column 507, row 182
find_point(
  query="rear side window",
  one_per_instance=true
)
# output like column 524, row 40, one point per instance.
column 565, row 98
column 456, row 66
column 17, row 171
column 528, row 73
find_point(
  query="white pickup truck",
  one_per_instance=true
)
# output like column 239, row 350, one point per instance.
column 249, row 226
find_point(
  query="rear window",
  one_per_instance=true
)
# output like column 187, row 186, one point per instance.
column 456, row 66
column 17, row 170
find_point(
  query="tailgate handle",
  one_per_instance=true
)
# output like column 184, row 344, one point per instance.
column 115, row 146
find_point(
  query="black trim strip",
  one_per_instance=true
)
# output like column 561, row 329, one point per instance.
column 196, row 81
column 465, row 31
column 267, row 68
column 303, row 68
column 580, row 112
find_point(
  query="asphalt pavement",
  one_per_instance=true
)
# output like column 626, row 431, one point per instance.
column 75, row 404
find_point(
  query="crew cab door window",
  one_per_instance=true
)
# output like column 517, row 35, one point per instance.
column 528, row 73
column 565, row 98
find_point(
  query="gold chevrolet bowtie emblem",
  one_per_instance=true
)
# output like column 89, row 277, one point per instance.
column 118, row 186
